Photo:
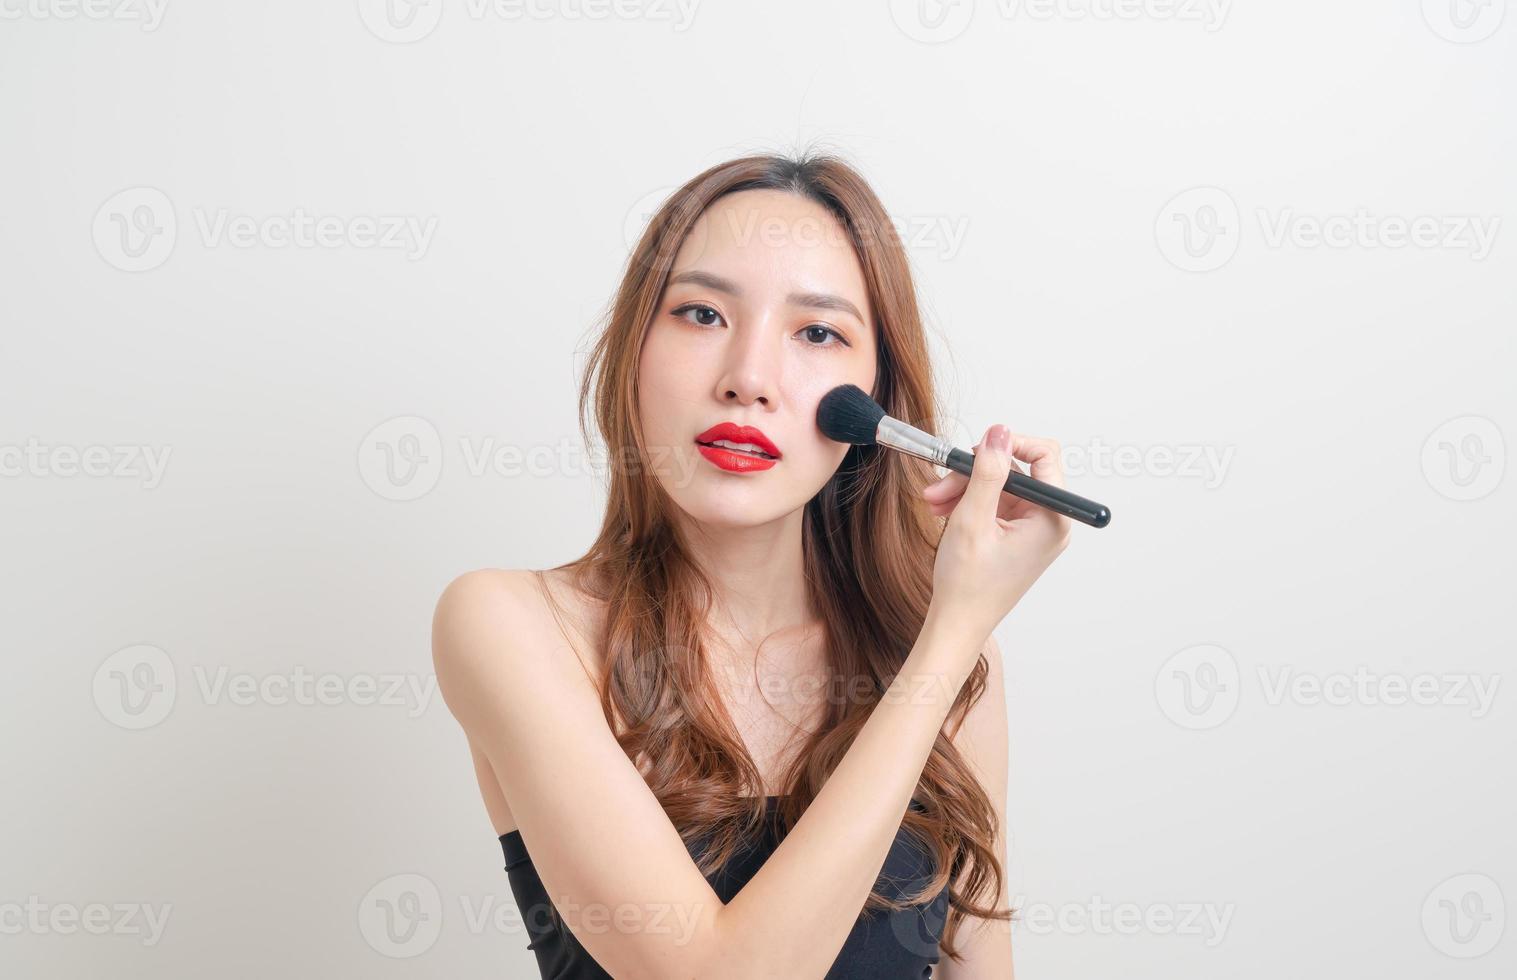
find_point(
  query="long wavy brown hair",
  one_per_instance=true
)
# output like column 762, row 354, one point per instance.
column 869, row 543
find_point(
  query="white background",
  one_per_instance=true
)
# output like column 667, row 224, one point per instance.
column 1116, row 212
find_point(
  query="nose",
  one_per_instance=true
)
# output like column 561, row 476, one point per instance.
column 752, row 365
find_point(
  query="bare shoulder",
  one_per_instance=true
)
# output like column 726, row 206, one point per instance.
column 505, row 669
column 482, row 605
column 486, row 586
column 493, row 620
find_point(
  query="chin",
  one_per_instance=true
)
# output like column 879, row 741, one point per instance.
column 727, row 503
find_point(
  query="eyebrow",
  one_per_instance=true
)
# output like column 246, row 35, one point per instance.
column 809, row 300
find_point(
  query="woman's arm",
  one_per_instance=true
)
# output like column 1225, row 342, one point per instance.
column 982, row 738
column 609, row 857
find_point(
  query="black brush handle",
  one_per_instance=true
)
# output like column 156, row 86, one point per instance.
column 1056, row 499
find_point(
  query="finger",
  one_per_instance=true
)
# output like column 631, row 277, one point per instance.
column 991, row 465
column 1042, row 456
column 942, row 508
column 945, row 488
column 948, row 487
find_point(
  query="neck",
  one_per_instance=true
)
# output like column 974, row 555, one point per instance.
column 758, row 574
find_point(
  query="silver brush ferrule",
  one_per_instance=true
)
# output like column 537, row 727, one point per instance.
column 912, row 441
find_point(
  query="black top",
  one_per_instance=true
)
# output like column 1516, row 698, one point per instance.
column 882, row 946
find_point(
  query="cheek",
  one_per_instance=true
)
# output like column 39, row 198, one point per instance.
column 805, row 391
column 663, row 378
column 674, row 361
column 810, row 374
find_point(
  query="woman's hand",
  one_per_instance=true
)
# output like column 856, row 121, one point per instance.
column 995, row 545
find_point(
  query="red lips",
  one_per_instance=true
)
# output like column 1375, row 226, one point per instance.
column 737, row 460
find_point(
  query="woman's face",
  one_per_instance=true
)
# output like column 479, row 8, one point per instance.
column 764, row 313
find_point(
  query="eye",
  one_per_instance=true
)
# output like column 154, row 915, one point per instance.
column 697, row 308
column 821, row 330
column 816, row 333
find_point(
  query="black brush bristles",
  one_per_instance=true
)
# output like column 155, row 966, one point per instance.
column 848, row 414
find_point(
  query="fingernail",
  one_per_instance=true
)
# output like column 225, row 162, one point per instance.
column 1000, row 437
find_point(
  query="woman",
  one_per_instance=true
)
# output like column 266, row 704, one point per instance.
column 744, row 734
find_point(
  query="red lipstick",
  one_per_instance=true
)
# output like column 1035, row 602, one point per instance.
column 736, row 460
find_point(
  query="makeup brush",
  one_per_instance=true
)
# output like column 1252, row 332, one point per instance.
column 848, row 414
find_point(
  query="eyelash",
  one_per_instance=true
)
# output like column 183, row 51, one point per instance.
column 679, row 311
